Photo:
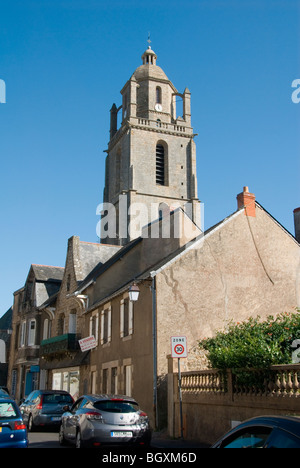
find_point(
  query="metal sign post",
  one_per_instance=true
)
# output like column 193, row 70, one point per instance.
column 179, row 350
column 180, row 400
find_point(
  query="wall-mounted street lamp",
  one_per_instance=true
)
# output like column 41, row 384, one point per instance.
column 134, row 292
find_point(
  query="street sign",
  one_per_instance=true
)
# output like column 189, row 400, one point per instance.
column 179, row 346
column 87, row 343
column 179, row 350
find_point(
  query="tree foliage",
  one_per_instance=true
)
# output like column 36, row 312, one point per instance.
column 254, row 343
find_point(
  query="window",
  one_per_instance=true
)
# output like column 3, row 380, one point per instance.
column 78, row 404
column 114, row 380
column 158, row 95
column 252, row 437
column 72, row 321
column 31, row 332
column 126, row 318
column 160, row 164
column 116, row 406
column 283, row 439
column 106, row 326
column 94, row 325
column 46, row 329
column 105, row 380
column 8, row 411
column 23, row 334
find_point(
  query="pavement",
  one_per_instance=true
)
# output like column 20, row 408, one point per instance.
column 162, row 440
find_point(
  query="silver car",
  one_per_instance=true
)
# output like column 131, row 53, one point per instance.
column 101, row 420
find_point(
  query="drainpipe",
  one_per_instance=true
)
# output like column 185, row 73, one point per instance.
column 154, row 342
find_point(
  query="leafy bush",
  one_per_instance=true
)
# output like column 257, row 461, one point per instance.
column 254, row 343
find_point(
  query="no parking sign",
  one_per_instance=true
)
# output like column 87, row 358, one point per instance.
column 179, row 346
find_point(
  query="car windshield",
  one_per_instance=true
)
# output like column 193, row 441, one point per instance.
column 116, row 406
column 55, row 398
column 7, row 410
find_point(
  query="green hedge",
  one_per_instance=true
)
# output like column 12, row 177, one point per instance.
column 254, row 344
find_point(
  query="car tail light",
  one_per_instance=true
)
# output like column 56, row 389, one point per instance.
column 143, row 418
column 40, row 405
column 19, row 426
column 94, row 416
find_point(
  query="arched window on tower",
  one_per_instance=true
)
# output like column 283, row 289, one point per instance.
column 160, row 165
column 158, row 95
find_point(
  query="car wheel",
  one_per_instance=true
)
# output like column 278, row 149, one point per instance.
column 61, row 436
column 30, row 424
column 78, row 440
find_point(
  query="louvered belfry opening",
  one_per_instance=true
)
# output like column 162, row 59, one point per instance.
column 160, row 165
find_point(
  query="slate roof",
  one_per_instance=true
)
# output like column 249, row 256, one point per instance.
column 100, row 267
column 6, row 320
column 47, row 273
column 92, row 255
column 48, row 281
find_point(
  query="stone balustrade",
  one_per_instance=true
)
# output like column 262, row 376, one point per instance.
column 277, row 381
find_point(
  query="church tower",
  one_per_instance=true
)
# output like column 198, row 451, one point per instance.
column 151, row 157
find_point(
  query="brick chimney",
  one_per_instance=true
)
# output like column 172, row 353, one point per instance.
column 297, row 223
column 247, row 200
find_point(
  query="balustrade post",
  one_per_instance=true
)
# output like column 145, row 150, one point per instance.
column 230, row 391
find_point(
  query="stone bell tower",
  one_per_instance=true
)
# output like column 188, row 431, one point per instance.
column 151, row 156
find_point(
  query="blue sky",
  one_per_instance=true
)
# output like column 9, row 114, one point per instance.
column 64, row 64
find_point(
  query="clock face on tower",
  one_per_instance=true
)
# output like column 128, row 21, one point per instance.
column 158, row 107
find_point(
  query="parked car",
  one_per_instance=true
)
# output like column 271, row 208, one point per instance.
column 263, row 432
column 4, row 393
column 100, row 420
column 44, row 408
column 13, row 432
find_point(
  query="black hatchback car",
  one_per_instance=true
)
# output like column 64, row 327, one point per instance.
column 263, row 432
column 44, row 408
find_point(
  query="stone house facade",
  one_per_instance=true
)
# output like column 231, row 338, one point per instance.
column 29, row 326
column 61, row 361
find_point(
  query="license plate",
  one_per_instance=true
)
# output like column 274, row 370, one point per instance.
column 56, row 418
column 121, row 434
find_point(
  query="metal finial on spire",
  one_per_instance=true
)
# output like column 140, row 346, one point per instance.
column 149, row 41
